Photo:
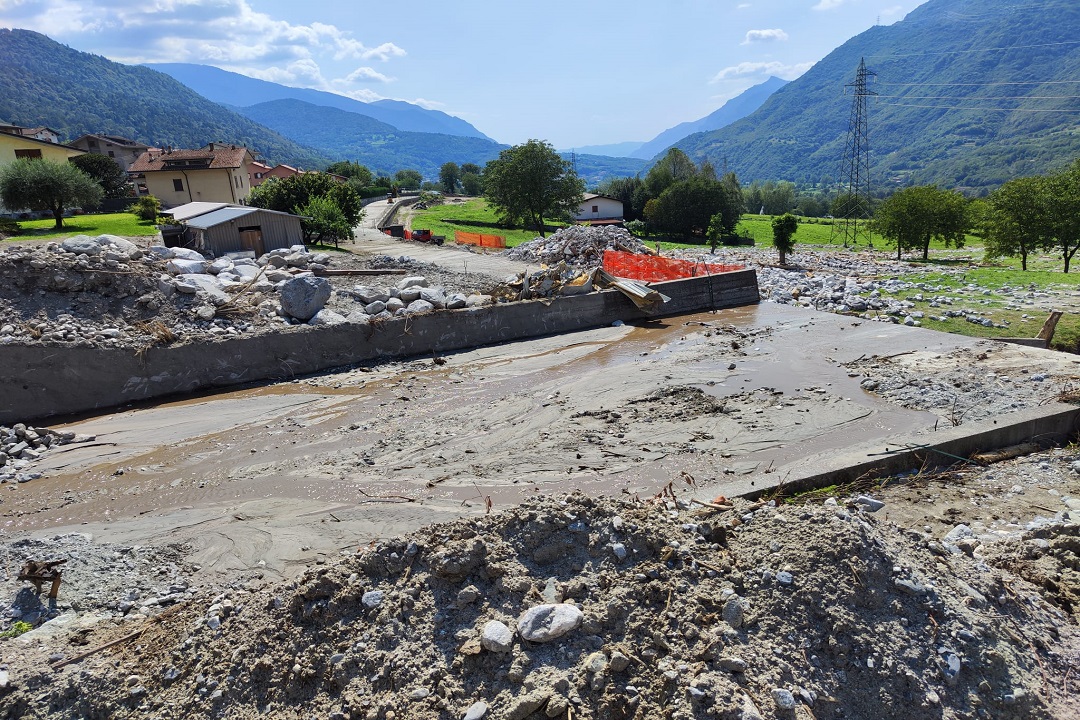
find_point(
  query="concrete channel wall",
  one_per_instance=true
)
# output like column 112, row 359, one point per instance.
column 40, row 381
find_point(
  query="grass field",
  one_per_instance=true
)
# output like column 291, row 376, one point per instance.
column 471, row 216
column 123, row 224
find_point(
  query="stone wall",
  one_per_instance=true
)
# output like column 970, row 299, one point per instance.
column 44, row 380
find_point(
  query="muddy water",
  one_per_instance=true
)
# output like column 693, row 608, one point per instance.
column 415, row 440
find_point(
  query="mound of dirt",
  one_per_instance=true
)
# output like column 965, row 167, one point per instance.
column 578, row 607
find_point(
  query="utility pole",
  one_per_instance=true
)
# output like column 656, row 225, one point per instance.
column 852, row 209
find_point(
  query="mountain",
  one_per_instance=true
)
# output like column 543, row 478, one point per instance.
column 617, row 150
column 734, row 109
column 232, row 88
column 595, row 169
column 968, row 94
column 378, row 145
column 45, row 83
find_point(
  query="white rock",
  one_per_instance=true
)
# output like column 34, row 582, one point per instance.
column 415, row 280
column 476, row 711
column 327, row 317
column 497, row 637
column 548, row 622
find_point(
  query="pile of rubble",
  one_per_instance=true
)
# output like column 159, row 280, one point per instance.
column 21, row 445
column 576, row 607
column 577, row 245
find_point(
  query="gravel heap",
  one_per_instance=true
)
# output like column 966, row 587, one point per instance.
column 107, row 291
column 577, row 245
column 22, row 445
column 601, row 608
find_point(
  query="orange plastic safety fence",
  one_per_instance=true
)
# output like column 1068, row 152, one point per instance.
column 651, row 268
column 408, row 234
column 490, row 241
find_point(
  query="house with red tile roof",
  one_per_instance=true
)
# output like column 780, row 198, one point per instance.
column 214, row 173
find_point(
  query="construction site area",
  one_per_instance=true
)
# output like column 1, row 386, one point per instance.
column 416, row 481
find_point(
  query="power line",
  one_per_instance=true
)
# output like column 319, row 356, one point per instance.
column 994, row 97
column 980, row 50
column 981, row 109
column 987, row 84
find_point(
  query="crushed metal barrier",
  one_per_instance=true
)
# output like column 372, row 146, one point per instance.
column 652, row 268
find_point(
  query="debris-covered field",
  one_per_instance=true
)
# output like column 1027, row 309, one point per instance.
column 577, row 607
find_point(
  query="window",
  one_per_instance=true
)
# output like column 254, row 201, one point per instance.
column 236, row 179
column 112, row 154
column 596, row 208
column 34, row 154
column 178, row 185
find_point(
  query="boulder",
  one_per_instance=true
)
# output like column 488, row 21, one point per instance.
column 435, row 296
column 414, row 280
column 410, row 293
column 185, row 254
column 455, row 301
column 182, row 266
column 81, row 245
column 417, row 307
column 303, row 297
column 327, row 317
column 368, row 295
column 544, row 623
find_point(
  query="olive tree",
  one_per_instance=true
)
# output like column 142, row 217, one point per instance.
column 45, row 185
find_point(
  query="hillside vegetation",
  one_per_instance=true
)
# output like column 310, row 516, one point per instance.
column 968, row 94
column 45, row 83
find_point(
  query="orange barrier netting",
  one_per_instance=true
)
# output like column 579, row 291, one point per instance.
column 488, row 241
column 652, row 268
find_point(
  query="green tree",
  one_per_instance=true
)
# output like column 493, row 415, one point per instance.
column 471, row 168
column 715, row 231
column 913, row 217
column 628, row 190
column 531, row 183
column 449, row 177
column 359, row 174
column 1064, row 190
column 105, row 172
column 1019, row 219
column 46, row 185
column 783, row 234
column 472, row 184
column 323, row 221
column 688, row 206
column 294, row 193
column 408, row 179
column 670, row 169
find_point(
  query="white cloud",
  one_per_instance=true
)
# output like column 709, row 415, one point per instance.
column 770, row 35
column 428, row 104
column 742, row 6
column 829, row 4
column 750, row 69
column 364, row 74
column 228, row 33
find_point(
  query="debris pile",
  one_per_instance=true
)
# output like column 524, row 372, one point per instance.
column 21, row 445
column 412, row 295
column 580, row 246
column 577, row 607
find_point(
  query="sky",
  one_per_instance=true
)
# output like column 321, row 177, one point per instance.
column 571, row 73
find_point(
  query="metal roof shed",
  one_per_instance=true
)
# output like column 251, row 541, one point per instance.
column 235, row 229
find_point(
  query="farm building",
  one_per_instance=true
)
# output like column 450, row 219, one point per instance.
column 215, row 229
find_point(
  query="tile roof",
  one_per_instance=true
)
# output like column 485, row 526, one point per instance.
column 212, row 157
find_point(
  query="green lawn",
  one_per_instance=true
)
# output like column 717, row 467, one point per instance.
column 471, row 216
column 123, row 224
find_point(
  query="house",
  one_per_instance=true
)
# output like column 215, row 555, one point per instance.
column 14, row 146
column 599, row 210
column 39, row 133
column 257, row 172
column 214, row 173
column 218, row 228
column 282, row 171
column 124, row 152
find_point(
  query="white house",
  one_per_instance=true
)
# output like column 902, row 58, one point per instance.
column 599, row 209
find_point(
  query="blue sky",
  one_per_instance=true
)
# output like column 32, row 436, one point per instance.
column 571, row 73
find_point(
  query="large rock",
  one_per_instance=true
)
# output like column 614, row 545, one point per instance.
column 544, row 623
column 409, row 294
column 182, row 266
column 206, row 285
column 120, row 244
column 368, row 295
column 327, row 317
column 417, row 307
column 185, row 254
column 303, row 297
column 413, row 281
column 435, row 296
column 81, row 245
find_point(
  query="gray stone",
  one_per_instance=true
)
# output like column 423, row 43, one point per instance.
column 435, row 296
column 185, row 254
column 733, row 664
column 783, row 699
column 784, row 577
column 497, row 637
column 303, row 297
column 735, row 611
column 619, row 549
column 544, row 623
column 327, row 317
column 959, row 533
column 950, row 666
column 525, row 705
column 419, row 693
column 358, row 317
column 409, row 294
column 81, row 245
column 456, row 301
column 393, row 305
column 376, row 307
column 869, row 503
column 417, row 307
column 413, row 281
column 373, row 599
column 181, row 266
column 478, row 301
column 476, row 711
column 909, row 586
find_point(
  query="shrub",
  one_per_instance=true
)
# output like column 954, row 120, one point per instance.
column 636, row 228
column 146, row 207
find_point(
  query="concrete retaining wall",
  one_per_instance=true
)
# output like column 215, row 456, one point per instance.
column 40, row 381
